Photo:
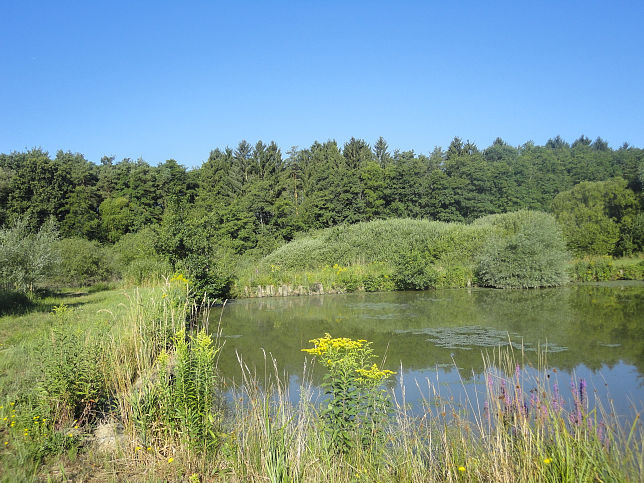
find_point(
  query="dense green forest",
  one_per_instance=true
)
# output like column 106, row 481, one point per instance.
column 248, row 201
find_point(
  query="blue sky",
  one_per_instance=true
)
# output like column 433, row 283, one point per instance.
column 162, row 80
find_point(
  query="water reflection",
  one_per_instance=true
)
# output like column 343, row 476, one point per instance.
column 595, row 330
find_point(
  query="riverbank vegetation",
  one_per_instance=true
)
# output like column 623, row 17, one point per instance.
column 111, row 385
column 127, row 220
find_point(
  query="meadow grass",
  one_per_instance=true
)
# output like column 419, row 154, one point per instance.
column 161, row 385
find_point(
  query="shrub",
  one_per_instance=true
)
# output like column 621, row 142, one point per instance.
column 146, row 270
column 594, row 269
column 414, row 271
column 211, row 276
column 633, row 271
column 83, row 262
column 529, row 252
column 12, row 302
column 27, row 259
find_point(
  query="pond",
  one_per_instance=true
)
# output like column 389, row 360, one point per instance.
column 436, row 340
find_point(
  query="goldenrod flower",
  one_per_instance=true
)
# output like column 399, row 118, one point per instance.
column 547, row 461
column 170, row 460
column 461, row 468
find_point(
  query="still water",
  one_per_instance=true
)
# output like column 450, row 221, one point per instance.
column 436, row 340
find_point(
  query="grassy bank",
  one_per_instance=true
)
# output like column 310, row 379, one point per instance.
column 120, row 363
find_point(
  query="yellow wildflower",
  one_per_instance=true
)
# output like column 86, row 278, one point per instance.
column 547, row 461
column 374, row 373
column 171, row 459
column 461, row 468
column 138, row 448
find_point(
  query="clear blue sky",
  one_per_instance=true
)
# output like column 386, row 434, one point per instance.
column 162, row 80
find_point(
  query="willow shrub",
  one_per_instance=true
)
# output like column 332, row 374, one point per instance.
column 528, row 251
column 378, row 241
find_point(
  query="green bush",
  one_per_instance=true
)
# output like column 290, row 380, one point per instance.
column 210, row 276
column 633, row 271
column 529, row 253
column 595, row 269
column 83, row 262
column 28, row 259
column 414, row 271
column 378, row 241
column 135, row 246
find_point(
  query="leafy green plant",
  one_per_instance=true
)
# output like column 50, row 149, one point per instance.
column 594, row 269
column 182, row 401
column 73, row 384
column 530, row 252
column 26, row 258
column 358, row 406
column 414, row 271
column 83, row 262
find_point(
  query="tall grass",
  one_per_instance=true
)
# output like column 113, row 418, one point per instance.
column 518, row 429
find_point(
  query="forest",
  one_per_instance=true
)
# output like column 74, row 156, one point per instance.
column 128, row 219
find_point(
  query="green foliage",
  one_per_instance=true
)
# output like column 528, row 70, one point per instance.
column 379, row 241
column 137, row 259
column 83, row 262
column 13, row 302
column 530, row 252
column 594, row 269
column 358, row 407
column 182, row 402
column 414, row 271
column 595, row 215
column 27, row 258
column 605, row 268
column 633, row 271
column 210, row 276
column 73, row 386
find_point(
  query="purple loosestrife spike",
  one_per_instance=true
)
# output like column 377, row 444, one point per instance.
column 582, row 391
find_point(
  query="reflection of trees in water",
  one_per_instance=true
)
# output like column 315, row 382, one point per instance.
column 599, row 325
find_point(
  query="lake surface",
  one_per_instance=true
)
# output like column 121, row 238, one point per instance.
column 435, row 340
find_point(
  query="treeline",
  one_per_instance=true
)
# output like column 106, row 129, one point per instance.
column 252, row 199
